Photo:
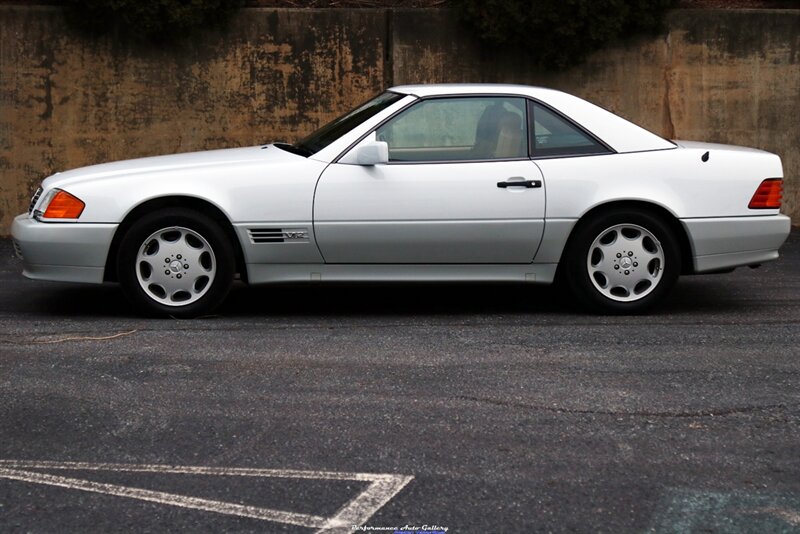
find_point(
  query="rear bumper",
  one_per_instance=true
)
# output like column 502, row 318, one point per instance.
column 726, row 242
column 65, row 252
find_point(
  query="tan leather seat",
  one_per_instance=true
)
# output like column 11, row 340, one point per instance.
column 509, row 136
column 498, row 135
column 486, row 132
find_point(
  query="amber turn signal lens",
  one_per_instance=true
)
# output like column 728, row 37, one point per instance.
column 64, row 206
column 768, row 195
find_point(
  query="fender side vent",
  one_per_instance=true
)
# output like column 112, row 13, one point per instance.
column 18, row 249
column 278, row 235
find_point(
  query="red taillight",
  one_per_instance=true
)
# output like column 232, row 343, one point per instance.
column 768, row 195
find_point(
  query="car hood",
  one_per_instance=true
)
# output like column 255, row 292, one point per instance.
column 209, row 158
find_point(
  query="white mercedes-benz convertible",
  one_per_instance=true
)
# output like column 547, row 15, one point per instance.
column 422, row 183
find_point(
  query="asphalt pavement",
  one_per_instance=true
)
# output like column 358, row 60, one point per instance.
column 471, row 408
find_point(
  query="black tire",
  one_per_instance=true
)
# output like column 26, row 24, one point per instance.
column 599, row 282
column 194, row 282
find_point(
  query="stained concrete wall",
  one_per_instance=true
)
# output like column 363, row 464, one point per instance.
column 725, row 76
column 271, row 75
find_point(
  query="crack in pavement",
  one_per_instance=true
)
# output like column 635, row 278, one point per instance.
column 666, row 414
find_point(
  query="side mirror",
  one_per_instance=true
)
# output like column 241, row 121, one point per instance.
column 373, row 153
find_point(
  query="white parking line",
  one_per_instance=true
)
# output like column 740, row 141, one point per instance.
column 364, row 506
column 172, row 499
column 381, row 489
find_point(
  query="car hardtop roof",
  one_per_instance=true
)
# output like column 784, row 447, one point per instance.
column 425, row 90
column 616, row 132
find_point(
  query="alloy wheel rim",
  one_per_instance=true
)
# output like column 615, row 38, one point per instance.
column 175, row 266
column 625, row 262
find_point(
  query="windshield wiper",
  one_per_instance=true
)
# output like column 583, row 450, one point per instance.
column 294, row 149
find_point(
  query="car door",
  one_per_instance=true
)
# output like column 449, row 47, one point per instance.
column 459, row 188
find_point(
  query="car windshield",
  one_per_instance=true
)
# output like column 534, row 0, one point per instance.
column 340, row 126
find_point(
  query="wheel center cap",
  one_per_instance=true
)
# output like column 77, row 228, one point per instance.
column 626, row 263
column 175, row 266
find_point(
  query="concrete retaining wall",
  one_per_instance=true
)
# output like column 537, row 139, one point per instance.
column 724, row 76
column 727, row 76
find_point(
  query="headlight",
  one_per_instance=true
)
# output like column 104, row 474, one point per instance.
column 58, row 204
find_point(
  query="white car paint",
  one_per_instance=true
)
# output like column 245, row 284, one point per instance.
column 438, row 221
column 429, row 213
column 677, row 180
column 230, row 179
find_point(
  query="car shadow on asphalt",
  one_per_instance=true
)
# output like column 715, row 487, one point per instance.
column 690, row 295
column 307, row 300
column 394, row 299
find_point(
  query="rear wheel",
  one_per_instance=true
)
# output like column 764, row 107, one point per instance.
column 622, row 261
column 175, row 262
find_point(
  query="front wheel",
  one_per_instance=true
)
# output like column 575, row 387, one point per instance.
column 622, row 261
column 175, row 262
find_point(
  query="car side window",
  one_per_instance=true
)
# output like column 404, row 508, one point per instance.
column 554, row 135
column 458, row 129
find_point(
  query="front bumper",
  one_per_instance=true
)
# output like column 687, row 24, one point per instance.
column 64, row 252
column 725, row 242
